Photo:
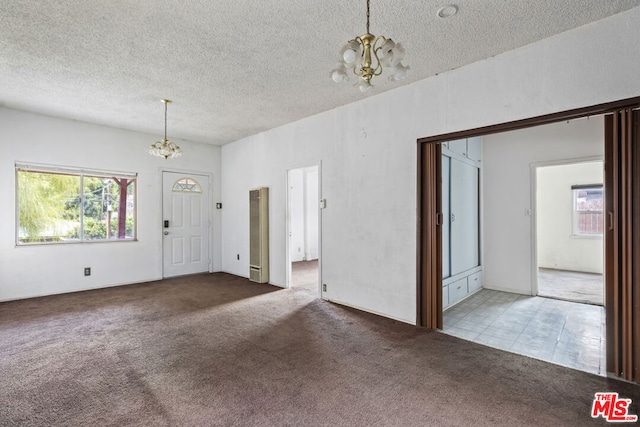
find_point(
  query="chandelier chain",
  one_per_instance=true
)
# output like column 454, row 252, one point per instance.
column 165, row 120
column 368, row 16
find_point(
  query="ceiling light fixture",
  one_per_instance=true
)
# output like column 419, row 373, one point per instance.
column 366, row 55
column 165, row 148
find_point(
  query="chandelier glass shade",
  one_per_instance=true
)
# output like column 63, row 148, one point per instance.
column 366, row 56
column 165, row 148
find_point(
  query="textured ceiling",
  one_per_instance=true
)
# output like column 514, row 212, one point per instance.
column 235, row 67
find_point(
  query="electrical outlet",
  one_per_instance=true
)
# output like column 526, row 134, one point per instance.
column 87, row 271
column 324, row 287
column 238, row 256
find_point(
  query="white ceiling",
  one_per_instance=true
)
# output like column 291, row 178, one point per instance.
column 235, row 67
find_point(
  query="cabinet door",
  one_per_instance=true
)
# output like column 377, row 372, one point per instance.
column 464, row 217
column 458, row 146
column 474, row 148
column 446, row 214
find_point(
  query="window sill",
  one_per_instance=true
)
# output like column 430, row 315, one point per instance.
column 73, row 242
column 587, row 236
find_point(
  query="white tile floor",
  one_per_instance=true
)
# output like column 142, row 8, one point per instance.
column 562, row 332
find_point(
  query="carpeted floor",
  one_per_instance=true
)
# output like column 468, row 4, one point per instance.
column 304, row 274
column 218, row 350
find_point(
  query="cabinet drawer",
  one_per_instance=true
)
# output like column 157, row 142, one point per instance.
column 475, row 281
column 458, row 290
column 445, row 296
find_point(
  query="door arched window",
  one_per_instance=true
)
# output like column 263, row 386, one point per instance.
column 186, row 185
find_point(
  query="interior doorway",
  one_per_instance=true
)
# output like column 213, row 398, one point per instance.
column 303, row 231
column 507, row 313
column 569, row 226
column 622, row 208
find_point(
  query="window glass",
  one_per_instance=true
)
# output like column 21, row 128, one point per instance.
column 187, row 185
column 588, row 210
column 63, row 205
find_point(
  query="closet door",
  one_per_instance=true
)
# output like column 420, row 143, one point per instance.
column 446, row 215
column 465, row 252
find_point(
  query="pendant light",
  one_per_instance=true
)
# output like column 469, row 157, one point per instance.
column 366, row 56
column 165, row 148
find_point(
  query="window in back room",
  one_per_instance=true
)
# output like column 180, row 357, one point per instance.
column 588, row 217
column 71, row 205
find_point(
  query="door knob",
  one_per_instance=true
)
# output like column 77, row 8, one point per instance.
column 166, row 232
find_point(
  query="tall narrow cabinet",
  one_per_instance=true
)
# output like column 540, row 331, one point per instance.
column 461, row 267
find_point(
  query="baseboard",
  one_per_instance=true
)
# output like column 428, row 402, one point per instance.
column 366, row 310
column 72, row 291
column 506, row 289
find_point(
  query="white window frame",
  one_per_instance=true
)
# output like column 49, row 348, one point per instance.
column 81, row 173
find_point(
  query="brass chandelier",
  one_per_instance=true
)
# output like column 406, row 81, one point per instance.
column 366, row 56
column 165, row 148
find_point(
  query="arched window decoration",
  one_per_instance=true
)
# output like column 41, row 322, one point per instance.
column 186, row 185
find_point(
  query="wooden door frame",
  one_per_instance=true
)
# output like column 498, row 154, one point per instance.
column 622, row 272
column 428, row 282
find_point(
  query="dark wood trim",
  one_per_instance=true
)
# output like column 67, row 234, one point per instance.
column 622, row 240
column 577, row 113
column 635, row 237
column 419, row 250
column 610, row 239
column 429, row 254
column 627, row 250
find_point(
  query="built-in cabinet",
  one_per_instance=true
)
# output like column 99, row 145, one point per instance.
column 461, row 267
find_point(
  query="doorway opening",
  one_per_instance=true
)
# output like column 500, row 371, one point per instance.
column 622, row 217
column 569, row 227
column 303, row 231
column 507, row 313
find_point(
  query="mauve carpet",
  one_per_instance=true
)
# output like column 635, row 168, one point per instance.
column 218, row 350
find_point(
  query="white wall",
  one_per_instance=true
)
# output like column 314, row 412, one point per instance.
column 311, row 214
column 507, row 192
column 28, row 271
column 558, row 247
column 368, row 155
column 296, row 215
column 303, row 211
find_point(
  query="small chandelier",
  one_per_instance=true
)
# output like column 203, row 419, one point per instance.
column 165, row 148
column 366, row 55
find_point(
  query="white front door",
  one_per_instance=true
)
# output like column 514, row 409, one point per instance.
column 185, row 225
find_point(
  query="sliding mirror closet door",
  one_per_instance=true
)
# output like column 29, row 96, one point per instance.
column 446, row 215
column 464, row 217
column 461, row 270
